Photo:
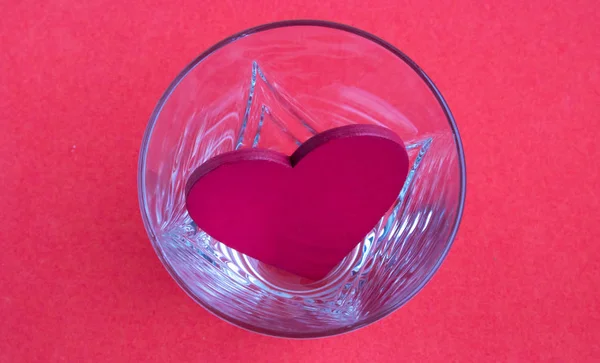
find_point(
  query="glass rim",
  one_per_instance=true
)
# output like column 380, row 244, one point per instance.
column 284, row 24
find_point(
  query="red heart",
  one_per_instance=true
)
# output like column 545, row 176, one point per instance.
column 303, row 213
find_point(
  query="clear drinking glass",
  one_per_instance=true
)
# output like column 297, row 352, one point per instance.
column 274, row 86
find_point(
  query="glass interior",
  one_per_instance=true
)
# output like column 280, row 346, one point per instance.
column 274, row 87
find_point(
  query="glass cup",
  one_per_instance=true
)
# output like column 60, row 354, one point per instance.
column 275, row 86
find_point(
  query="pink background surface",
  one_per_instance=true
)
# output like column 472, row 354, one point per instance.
column 79, row 281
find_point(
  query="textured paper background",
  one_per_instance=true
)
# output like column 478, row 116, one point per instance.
column 79, row 281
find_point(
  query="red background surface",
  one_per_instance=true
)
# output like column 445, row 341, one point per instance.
column 79, row 281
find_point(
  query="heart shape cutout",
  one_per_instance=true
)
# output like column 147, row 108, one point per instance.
column 305, row 212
